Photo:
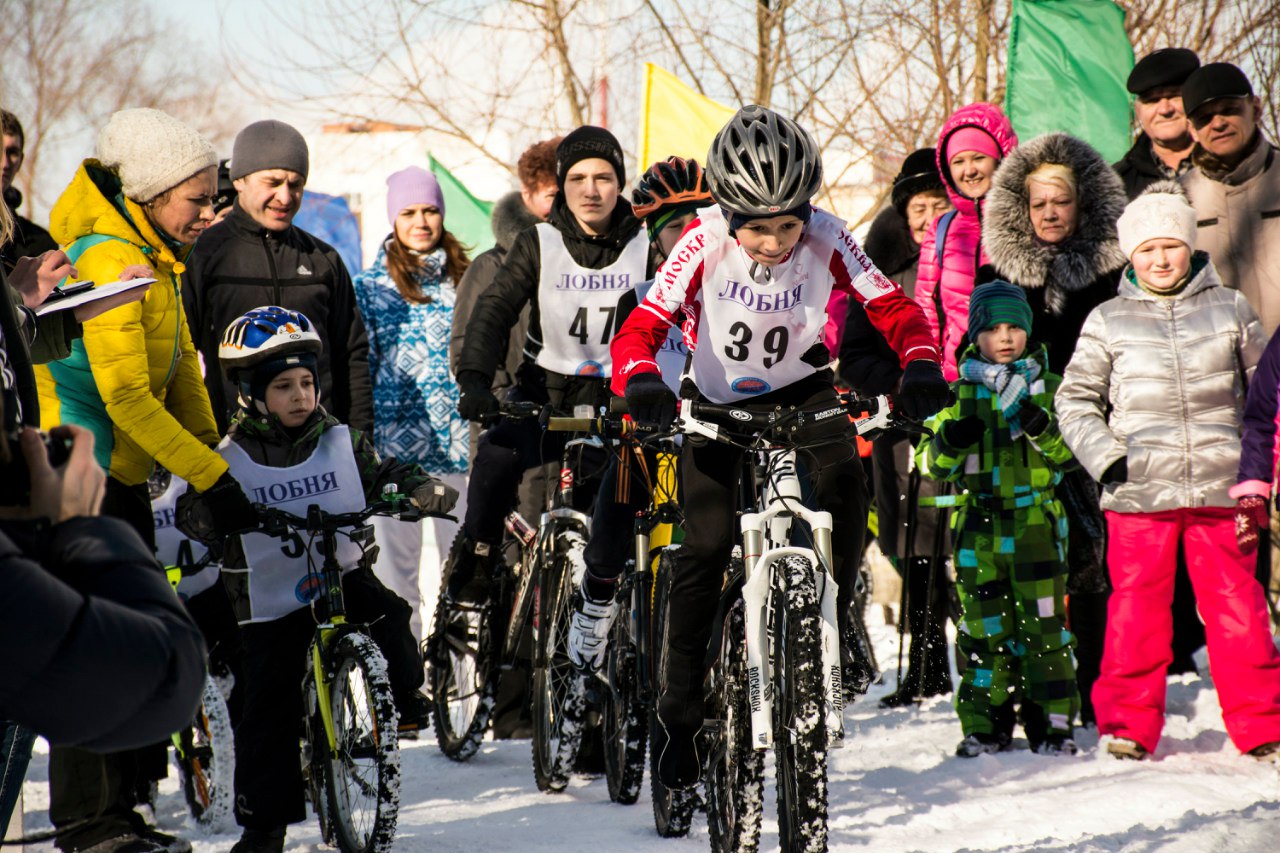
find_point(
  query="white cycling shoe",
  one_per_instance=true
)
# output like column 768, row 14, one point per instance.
column 589, row 632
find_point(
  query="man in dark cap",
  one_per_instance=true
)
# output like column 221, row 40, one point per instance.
column 1162, row 150
column 256, row 256
column 1235, row 186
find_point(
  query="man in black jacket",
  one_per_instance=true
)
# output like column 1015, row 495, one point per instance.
column 571, row 271
column 28, row 239
column 1162, row 150
column 256, row 257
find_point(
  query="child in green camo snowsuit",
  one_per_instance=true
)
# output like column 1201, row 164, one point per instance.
column 1000, row 442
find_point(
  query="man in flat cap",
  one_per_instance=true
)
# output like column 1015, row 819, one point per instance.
column 1235, row 186
column 257, row 256
column 1162, row 150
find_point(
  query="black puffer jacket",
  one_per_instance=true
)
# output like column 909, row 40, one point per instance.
column 1067, row 280
column 238, row 265
column 96, row 650
column 516, row 285
column 510, row 217
column 1138, row 168
column 28, row 239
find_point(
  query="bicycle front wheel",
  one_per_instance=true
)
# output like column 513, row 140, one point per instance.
column 205, row 756
column 559, row 691
column 362, row 775
column 625, row 717
column 800, row 731
column 735, row 771
column 461, row 671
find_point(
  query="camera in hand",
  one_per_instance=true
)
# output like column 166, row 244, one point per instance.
column 15, row 479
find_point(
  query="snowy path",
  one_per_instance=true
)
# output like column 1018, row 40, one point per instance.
column 894, row 788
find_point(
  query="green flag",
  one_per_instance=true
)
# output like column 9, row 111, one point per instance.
column 1068, row 62
column 465, row 216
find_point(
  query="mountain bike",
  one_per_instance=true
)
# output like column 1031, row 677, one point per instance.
column 633, row 660
column 471, row 644
column 350, row 747
column 776, row 680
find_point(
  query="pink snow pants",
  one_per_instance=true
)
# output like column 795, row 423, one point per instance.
column 1141, row 556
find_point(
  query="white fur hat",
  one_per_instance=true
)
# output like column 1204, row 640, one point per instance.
column 1161, row 211
column 152, row 151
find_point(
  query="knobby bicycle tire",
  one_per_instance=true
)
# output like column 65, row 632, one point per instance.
column 672, row 810
column 558, row 690
column 205, row 758
column 462, row 670
column 734, row 778
column 362, row 776
column 799, row 727
column 625, row 717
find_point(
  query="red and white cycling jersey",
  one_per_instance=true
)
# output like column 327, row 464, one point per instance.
column 749, row 338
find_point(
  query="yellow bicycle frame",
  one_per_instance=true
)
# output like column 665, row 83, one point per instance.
column 327, row 636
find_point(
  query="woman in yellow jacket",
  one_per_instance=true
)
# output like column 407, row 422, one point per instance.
column 133, row 379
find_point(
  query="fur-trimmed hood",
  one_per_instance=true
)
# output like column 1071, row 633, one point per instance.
column 1078, row 261
column 509, row 218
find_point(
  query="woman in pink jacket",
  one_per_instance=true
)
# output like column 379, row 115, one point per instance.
column 970, row 146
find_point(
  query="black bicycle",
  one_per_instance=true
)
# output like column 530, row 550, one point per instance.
column 633, row 660
column 350, row 748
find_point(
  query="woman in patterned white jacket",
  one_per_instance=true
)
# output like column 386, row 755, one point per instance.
column 407, row 298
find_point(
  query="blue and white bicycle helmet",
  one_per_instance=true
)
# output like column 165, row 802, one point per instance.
column 265, row 342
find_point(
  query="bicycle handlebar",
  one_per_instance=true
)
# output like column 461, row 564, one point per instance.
column 278, row 522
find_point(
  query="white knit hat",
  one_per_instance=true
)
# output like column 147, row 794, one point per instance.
column 152, row 151
column 1161, row 211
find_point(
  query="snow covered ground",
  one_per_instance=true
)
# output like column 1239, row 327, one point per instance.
column 895, row 787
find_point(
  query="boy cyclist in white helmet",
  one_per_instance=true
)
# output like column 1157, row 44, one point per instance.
column 290, row 453
column 750, row 281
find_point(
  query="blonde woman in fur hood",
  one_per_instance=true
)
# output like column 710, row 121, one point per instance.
column 1050, row 227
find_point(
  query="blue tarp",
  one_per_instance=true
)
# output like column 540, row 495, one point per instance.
column 329, row 218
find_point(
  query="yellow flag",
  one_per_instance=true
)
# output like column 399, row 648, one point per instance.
column 676, row 120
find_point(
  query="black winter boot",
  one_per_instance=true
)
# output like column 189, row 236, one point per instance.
column 260, row 841
column 928, row 672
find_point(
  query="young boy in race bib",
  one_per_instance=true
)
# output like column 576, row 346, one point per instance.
column 290, row 453
column 750, row 281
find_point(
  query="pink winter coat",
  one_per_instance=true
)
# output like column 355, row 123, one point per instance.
column 962, row 252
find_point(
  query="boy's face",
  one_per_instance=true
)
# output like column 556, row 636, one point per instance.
column 669, row 234
column 291, row 396
column 767, row 241
column 1003, row 343
column 1161, row 263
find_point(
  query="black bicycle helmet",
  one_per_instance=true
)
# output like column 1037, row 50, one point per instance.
column 762, row 163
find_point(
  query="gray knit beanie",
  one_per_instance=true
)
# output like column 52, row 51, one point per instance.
column 269, row 144
column 151, row 151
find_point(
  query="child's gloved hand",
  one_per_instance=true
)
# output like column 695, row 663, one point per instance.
column 1034, row 419
column 963, row 433
column 1252, row 517
column 1117, row 472
column 229, row 507
column 435, row 496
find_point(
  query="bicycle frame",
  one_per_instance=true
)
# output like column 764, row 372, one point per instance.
column 766, row 541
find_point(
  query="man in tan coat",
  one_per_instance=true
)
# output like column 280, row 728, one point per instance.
column 1235, row 187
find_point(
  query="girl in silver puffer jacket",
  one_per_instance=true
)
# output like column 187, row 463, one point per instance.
column 1151, row 404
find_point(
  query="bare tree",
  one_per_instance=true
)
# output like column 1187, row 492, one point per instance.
column 66, row 71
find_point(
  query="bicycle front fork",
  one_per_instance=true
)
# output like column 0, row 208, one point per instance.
column 759, row 569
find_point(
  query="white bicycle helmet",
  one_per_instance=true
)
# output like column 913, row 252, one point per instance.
column 762, row 163
column 264, row 334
